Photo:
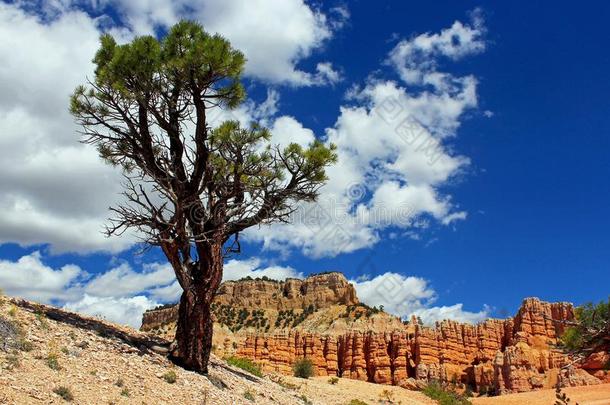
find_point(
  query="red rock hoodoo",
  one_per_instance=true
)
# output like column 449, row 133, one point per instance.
column 512, row 355
column 275, row 323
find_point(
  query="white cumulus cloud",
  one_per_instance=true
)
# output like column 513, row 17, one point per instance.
column 405, row 296
column 30, row 278
column 55, row 190
column 123, row 310
column 394, row 154
column 275, row 35
column 416, row 59
column 120, row 294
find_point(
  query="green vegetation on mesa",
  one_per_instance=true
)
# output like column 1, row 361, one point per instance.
column 359, row 310
column 238, row 318
column 289, row 318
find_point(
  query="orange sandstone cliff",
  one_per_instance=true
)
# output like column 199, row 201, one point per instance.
column 511, row 355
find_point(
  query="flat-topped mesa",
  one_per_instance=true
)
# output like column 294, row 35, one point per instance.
column 321, row 291
column 156, row 319
column 272, row 323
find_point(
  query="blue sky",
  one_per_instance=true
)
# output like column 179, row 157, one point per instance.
column 515, row 102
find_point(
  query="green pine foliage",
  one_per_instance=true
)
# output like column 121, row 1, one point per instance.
column 149, row 110
column 237, row 319
column 290, row 318
column 591, row 329
column 360, row 310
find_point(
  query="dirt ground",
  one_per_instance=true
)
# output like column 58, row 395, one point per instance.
column 344, row 390
column 589, row 395
column 102, row 363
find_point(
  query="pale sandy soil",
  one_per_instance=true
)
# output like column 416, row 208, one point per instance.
column 345, row 390
column 103, row 363
column 590, row 395
column 110, row 370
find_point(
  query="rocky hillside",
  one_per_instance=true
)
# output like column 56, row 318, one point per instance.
column 344, row 338
column 50, row 356
column 267, row 306
column 501, row 356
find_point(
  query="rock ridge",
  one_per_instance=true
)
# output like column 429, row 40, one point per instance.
column 501, row 356
column 319, row 290
column 515, row 354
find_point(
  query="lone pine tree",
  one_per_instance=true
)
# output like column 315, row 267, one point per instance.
column 190, row 189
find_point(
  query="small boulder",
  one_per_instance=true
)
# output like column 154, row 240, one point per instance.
column 412, row 384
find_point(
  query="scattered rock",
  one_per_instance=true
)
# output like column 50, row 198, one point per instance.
column 412, row 384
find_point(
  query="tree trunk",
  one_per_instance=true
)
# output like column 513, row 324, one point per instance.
column 193, row 342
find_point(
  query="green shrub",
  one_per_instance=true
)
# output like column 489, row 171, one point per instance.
column 13, row 311
column 357, row 402
column 12, row 361
column 125, row 392
column 444, row 396
column 248, row 395
column 25, row 345
column 305, row 400
column 245, row 364
column 170, row 377
column 43, row 320
column 387, row 396
column 572, row 339
column 64, row 392
column 303, row 368
column 333, row 380
column 52, row 361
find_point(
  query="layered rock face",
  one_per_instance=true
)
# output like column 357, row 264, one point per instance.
column 320, row 291
column 598, row 362
column 159, row 318
column 511, row 355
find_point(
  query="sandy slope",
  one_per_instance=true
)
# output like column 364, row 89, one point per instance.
column 103, row 363
column 589, row 395
column 346, row 389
